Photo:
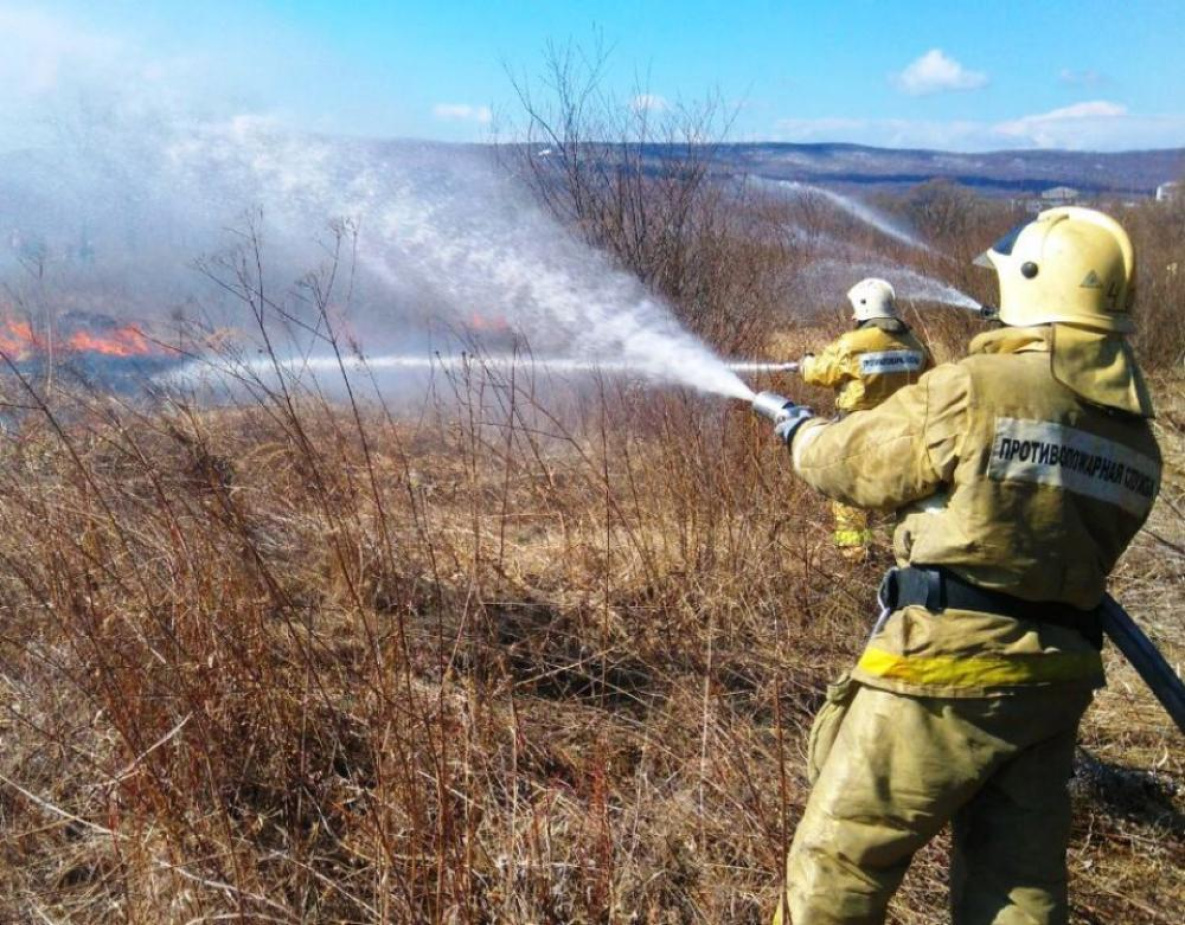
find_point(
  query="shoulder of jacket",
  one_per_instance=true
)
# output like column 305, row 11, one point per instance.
column 990, row 378
column 869, row 338
column 951, row 377
column 841, row 345
column 908, row 340
column 994, row 365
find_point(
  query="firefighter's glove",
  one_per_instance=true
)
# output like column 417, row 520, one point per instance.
column 787, row 417
column 786, row 428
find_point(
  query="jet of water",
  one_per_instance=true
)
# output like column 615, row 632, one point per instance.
column 853, row 207
column 922, row 288
column 477, row 240
column 198, row 371
column 835, row 276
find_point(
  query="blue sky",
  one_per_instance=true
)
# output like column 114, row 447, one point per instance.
column 958, row 75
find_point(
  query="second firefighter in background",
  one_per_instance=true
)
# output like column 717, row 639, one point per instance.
column 865, row 366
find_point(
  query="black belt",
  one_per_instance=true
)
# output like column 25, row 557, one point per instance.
column 938, row 589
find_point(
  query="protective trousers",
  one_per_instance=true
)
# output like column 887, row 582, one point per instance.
column 889, row 770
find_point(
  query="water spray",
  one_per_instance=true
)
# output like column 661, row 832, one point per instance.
column 858, row 210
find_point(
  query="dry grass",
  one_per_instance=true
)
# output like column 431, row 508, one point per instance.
column 529, row 655
column 285, row 663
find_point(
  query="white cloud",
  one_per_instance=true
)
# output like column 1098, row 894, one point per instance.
column 935, row 72
column 1099, row 125
column 1070, row 126
column 649, row 102
column 462, row 112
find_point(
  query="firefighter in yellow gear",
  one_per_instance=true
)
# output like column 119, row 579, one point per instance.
column 866, row 365
column 1019, row 474
column 873, row 360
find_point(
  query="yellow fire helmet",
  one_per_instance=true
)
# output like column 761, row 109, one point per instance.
column 1069, row 265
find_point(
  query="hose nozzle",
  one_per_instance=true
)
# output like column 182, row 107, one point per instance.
column 773, row 406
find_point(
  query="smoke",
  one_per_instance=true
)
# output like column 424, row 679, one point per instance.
column 122, row 195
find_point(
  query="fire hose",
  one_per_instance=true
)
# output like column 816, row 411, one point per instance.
column 1143, row 655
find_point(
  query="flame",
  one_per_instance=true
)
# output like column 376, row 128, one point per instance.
column 18, row 341
column 488, row 323
column 122, row 342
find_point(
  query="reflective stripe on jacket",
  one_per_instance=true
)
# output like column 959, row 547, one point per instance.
column 1011, row 479
column 868, row 364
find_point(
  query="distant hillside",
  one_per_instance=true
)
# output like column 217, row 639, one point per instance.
column 1126, row 173
column 1001, row 173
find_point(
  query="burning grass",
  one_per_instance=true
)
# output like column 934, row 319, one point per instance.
column 292, row 661
column 78, row 332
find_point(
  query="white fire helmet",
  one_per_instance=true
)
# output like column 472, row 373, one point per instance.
column 872, row 298
column 1069, row 265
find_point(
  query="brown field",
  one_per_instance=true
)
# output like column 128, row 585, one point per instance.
column 528, row 654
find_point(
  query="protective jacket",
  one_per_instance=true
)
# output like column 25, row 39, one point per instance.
column 1025, row 468
column 868, row 364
